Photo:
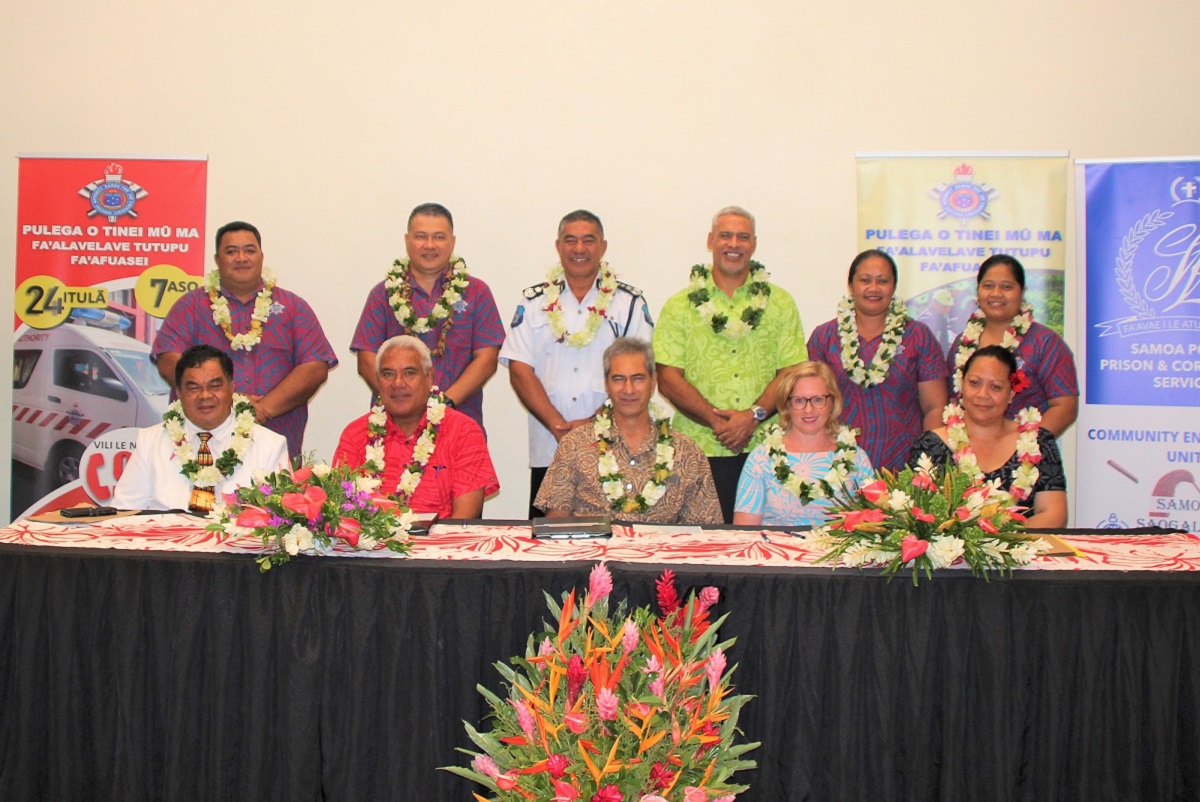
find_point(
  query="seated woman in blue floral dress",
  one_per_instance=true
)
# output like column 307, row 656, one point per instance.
column 791, row 479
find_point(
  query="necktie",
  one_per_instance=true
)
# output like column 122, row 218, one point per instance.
column 202, row 499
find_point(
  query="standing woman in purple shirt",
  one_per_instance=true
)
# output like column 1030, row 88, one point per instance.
column 1045, row 376
column 890, row 369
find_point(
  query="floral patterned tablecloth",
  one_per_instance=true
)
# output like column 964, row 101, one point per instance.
column 643, row 544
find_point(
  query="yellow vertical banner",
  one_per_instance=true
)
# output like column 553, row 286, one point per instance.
column 940, row 215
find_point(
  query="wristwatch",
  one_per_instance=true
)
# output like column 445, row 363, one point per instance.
column 759, row 413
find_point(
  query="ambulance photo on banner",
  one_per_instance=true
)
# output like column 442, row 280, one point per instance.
column 940, row 215
column 1139, row 429
column 105, row 245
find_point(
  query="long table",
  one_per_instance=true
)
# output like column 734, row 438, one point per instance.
column 146, row 659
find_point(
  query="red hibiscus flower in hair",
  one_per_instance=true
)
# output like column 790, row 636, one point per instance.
column 1019, row 381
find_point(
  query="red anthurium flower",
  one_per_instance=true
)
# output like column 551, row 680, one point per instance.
column 875, row 491
column 349, row 530
column 912, row 547
column 987, row 526
column 962, row 513
column 307, row 504
column 924, row 481
column 253, row 517
column 381, row 502
column 921, row 515
column 855, row 517
column 577, row 722
column 302, row 474
column 230, row 499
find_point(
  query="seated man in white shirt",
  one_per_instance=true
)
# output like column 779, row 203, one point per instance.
column 203, row 447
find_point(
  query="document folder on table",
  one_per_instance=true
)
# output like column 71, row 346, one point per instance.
column 574, row 528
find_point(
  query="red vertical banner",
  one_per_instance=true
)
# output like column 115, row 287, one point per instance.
column 105, row 245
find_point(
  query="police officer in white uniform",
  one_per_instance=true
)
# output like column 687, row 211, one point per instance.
column 557, row 338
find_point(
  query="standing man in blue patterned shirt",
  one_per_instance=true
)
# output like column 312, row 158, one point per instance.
column 280, row 353
column 431, row 296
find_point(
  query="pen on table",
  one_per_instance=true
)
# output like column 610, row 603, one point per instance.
column 764, row 537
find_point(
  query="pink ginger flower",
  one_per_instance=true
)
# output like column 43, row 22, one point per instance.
column 577, row 676
column 557, row 765
column 693, row 794
column 708, row 597
column 524, row 718
column 546, row 648
column 599, row 585
column 668, row 598
column 485, row 765
column 714, row 668
column 658, row 686
column 608, row 793
column 629, row 636
column 607, row 705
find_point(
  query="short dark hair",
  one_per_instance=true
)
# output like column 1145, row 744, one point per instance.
column 581, row 216
column 1018, row 270
column 196, row 356
column 236, row 225
column 995, row 352
column 431, row 210
column 871, row 254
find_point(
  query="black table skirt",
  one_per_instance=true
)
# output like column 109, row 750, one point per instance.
column 153, row 676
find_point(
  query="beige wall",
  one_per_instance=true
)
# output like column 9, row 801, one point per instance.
column 324, row 125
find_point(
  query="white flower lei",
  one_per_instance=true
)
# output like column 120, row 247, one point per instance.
column 410, row 477
column 611, row 481
column 1028, row 452
column 220, row 310
column 736, row 321
column 893, row 333
column 969, row 343
column 596, row 313
column 400, row 290
column 223, row 466
column 825, row 487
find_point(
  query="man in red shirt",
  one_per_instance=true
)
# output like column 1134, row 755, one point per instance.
column 427, row 456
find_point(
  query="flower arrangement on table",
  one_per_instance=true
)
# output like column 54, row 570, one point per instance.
column 615, row 706
column 307, row 509
column 928, row 518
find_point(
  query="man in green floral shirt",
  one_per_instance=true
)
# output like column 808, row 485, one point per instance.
column 721, row 343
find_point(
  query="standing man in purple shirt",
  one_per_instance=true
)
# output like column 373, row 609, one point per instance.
column 431, row 296
column 280, row 353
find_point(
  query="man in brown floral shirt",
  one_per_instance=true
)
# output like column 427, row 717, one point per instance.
column 629, row 463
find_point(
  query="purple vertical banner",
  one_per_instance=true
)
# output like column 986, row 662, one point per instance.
column 1139, row 428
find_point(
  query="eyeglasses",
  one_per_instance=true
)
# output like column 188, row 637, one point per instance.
column 818, row 402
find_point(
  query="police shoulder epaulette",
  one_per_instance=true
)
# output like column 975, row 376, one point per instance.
column 629, row 288
column 536, row 290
